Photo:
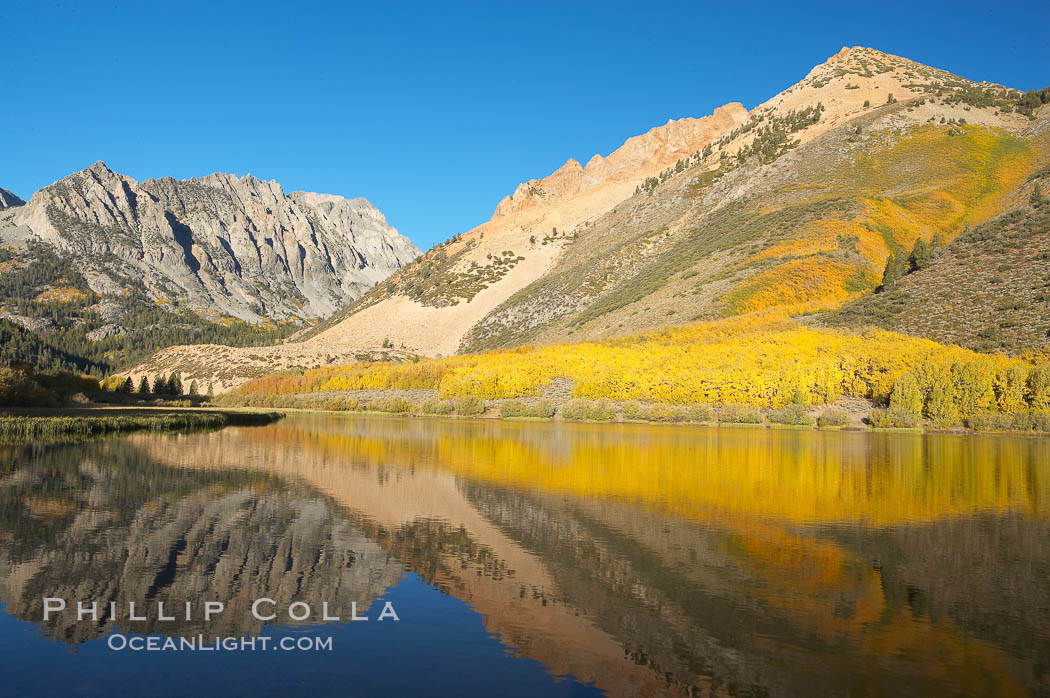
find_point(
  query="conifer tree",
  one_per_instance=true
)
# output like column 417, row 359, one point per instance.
column 894, row 270
column 144, row 387
column 921, row 257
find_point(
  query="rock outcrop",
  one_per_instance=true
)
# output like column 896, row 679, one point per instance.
column 8, row 199
column 222, row 245
column 658, row 148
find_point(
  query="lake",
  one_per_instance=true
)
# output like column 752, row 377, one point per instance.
column 526, row 558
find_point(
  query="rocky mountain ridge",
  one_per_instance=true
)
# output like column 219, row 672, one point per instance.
column 8, row 199
column 221, row 245
column 640, row 155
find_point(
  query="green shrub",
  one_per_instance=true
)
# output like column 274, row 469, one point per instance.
column 1033, row 420
column 437, row 407
column 699, row 413
column 470, row 405
column 513, row 408
column 576, row 410
column 341, row 405
column 587, row 411
column 833, row 417
column 635, row 410
column 543, row 408
column 791, row 414
column 667, row 413
column 393, row 405
column 739, row 414
column 892, row 418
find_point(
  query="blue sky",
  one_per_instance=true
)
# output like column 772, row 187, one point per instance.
column 434, row 111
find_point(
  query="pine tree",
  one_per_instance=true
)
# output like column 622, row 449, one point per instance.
column 126, row 387
column 921, row 257
column 193, row 389
column 159, row 384
column 894, row 269
column 144, row 387
column 174, row 385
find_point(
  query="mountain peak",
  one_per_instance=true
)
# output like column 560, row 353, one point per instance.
column 8, row 199
column 98, row 170
column 99, row 167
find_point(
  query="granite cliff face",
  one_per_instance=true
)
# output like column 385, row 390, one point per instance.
column 8, row 199
column 221, row 245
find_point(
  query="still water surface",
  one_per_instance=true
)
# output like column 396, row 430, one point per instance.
column 535, row 559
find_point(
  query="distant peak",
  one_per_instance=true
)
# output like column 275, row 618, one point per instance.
column 841, row 56
column 98, row 169
column 846, row 51
column 8, row 199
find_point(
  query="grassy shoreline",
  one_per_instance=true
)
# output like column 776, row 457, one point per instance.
column 39, row 425
column 492, row 414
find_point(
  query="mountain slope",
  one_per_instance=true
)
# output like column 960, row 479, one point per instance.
column 810, row 230
column 220, row 245
column 793, row 206
column 746, row 220
column 988, row 290
column 99, row 271
column 452, row 287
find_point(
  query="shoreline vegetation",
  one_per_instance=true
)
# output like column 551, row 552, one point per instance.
column 765, row 368
column 852, row 416
column 42, row 426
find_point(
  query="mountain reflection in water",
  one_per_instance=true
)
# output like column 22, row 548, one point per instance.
column 645, row 560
